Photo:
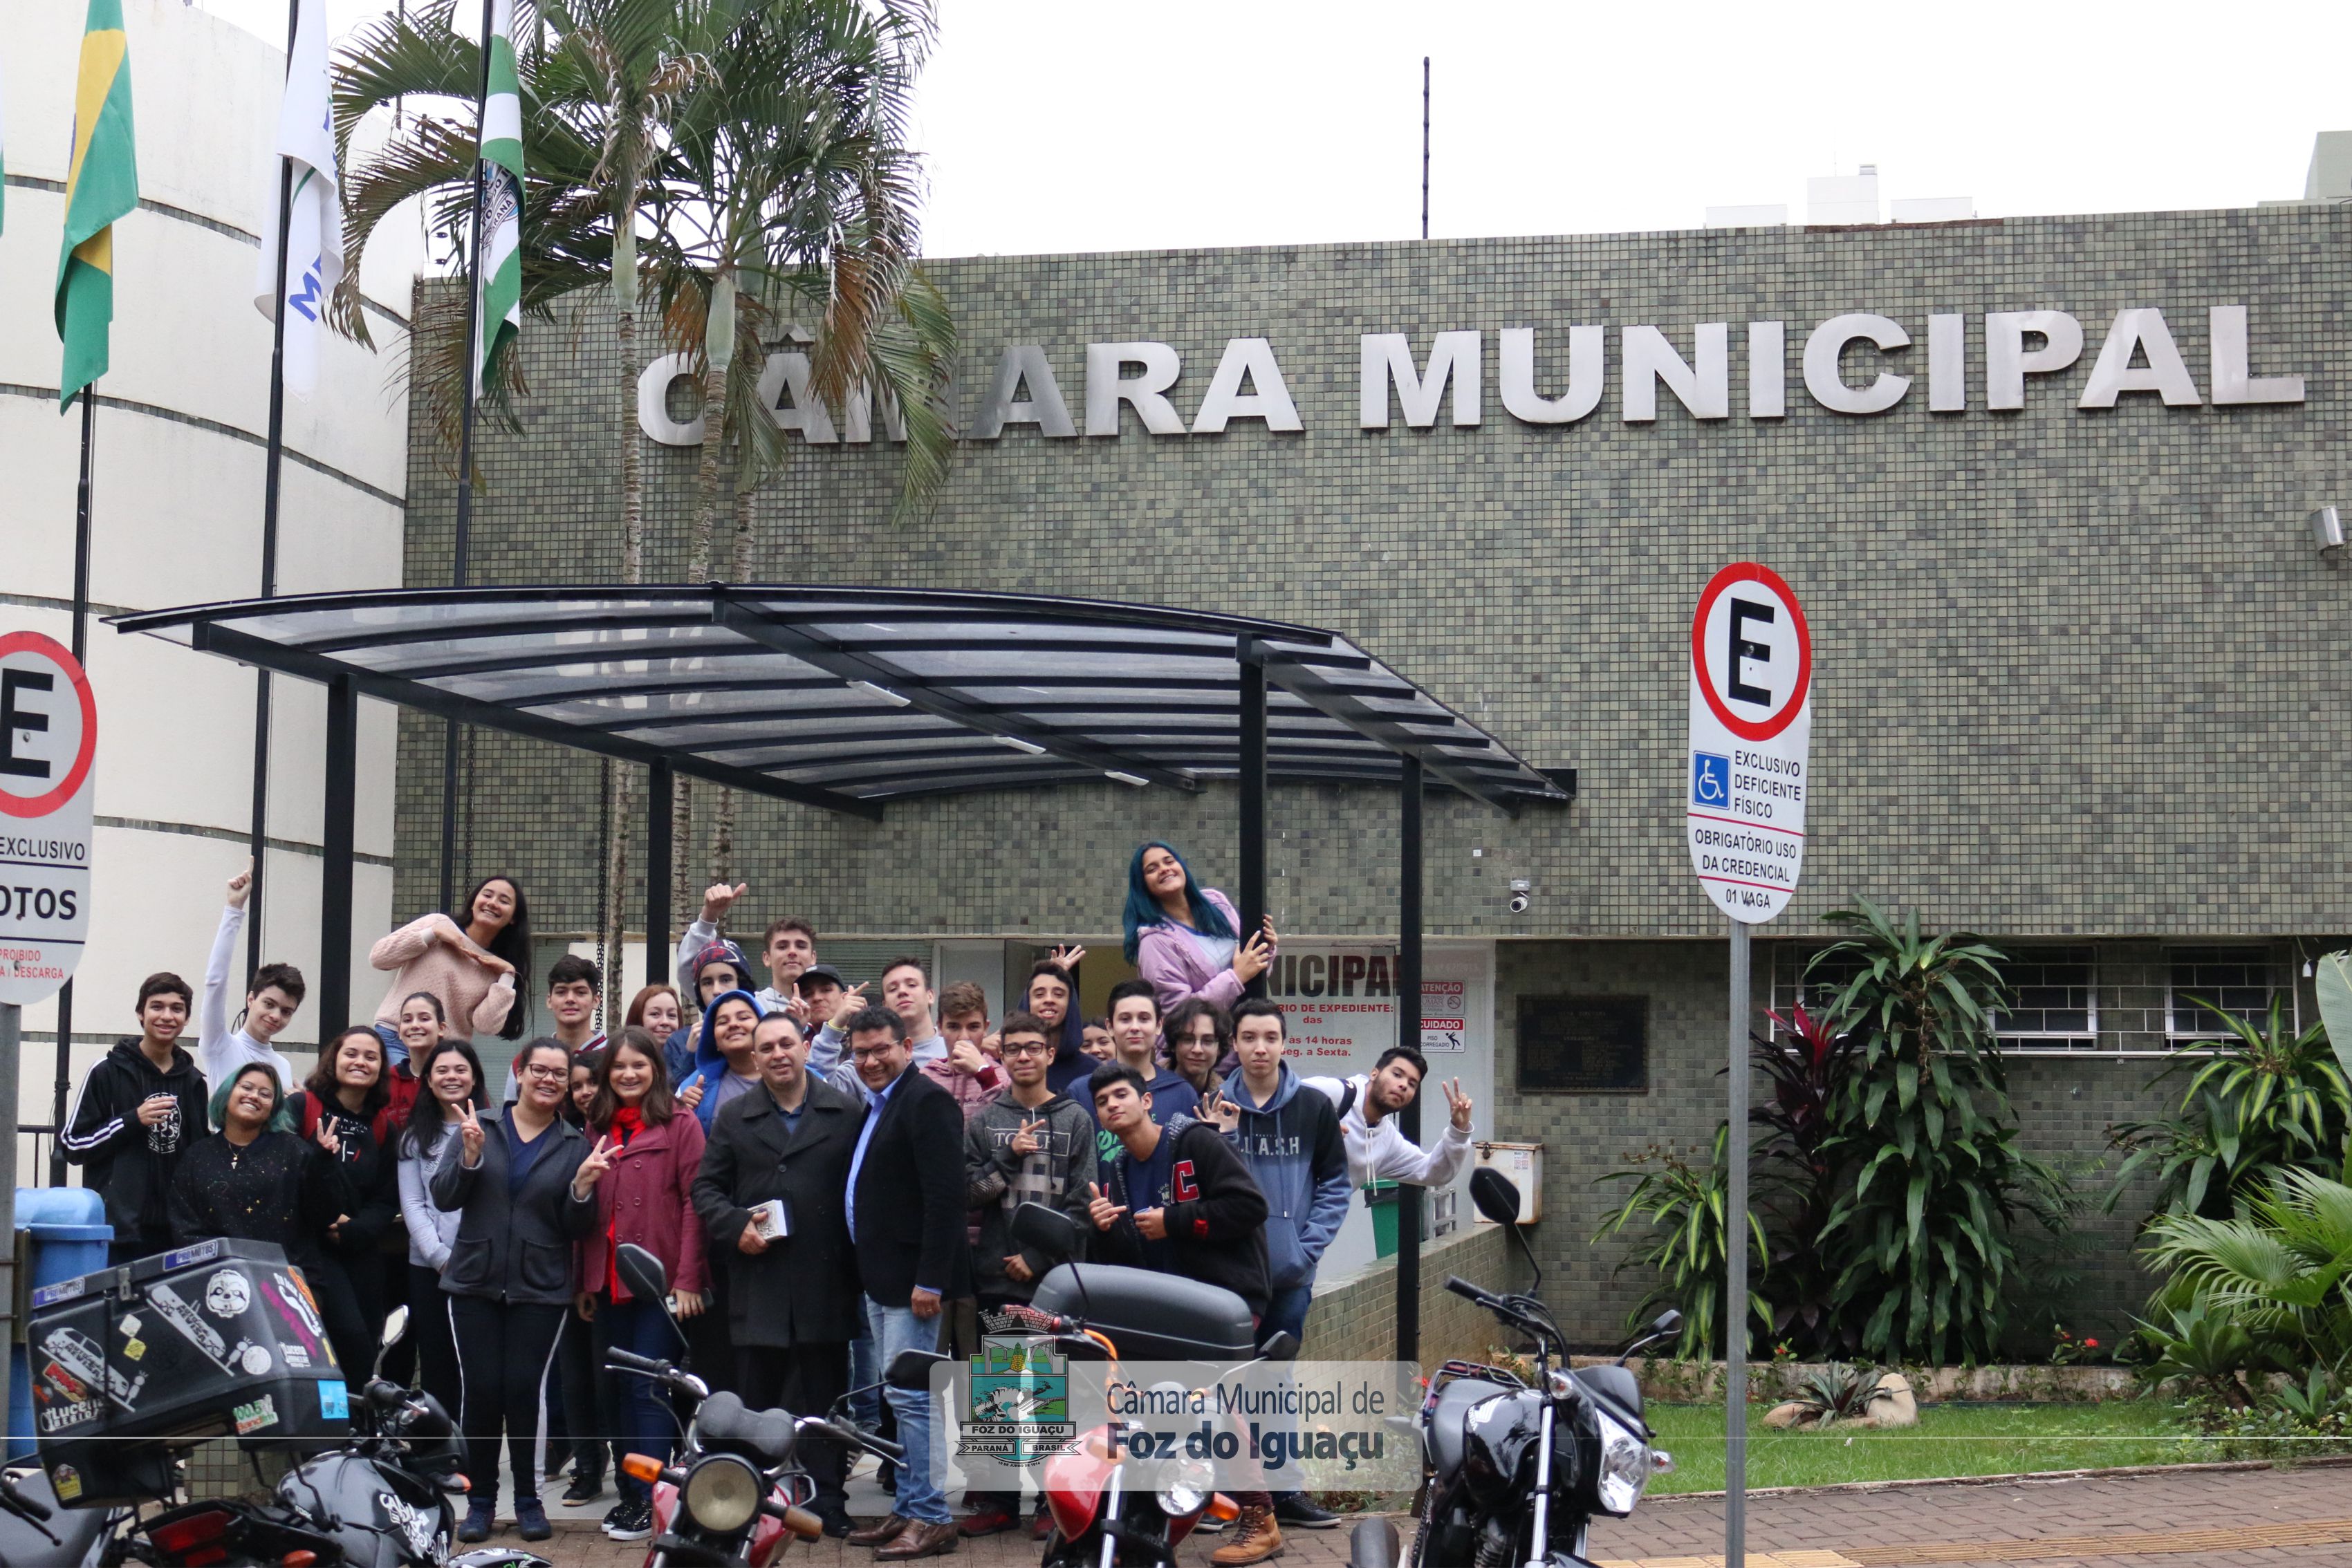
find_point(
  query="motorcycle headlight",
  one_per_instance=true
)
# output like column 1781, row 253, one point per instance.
column 1185, row 1488
column 1625, row 1466
column 721, row 1495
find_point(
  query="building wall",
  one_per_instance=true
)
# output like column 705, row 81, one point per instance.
column 177, row 503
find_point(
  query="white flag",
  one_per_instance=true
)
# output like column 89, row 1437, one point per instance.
column 314, row 236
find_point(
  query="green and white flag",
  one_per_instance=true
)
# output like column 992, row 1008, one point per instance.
column 499, row 302
column 314, row 228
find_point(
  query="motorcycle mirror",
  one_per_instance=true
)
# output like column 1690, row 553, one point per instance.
column 1046, row 1229
column 910, row 1370
column 1494, row 1195
column 395, row 1327
column 1669, row 1322
column 642, row 1272
column 1280, row 1345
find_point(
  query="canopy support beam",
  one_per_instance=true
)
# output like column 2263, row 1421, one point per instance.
column 1408, row 1017
column 1251, row 654
column 335, row 848
column 660, row 791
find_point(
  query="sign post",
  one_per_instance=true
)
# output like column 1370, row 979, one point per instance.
column 48, row 740
column 1745, row 782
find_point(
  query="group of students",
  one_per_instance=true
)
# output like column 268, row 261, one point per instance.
column 828, row 1178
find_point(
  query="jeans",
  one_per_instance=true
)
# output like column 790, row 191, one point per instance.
column 863, row 1373
column 634, row 1414
column 506, row 1354
column 894, row 1329
column 1286, row 1311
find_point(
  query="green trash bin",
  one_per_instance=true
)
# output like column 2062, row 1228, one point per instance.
column 1380, row 1199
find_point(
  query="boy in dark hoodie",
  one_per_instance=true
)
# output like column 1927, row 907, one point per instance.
column 138, row 1108
column 1177, row 1199
column 1029, row 1145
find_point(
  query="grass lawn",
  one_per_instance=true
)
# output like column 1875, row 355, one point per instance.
column 1951, row 1440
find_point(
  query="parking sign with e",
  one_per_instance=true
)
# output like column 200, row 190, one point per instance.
column 48, row 742
column 1751, row 721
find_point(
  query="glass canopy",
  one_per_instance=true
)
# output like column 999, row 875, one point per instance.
column 849, row 698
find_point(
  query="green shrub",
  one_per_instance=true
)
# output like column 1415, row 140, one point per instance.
column 1685, row 1206
column 1921, row 1239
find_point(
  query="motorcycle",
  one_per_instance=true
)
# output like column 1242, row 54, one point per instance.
column 1515, row 1471
column 1109, row 1508
column 735, row 1493
column 377, row 1500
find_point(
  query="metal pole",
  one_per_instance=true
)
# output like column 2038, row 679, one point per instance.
column 1734, row 1284
column 1253, row 792
column 659, row 791
column 11, row 1035
column 463, row 540
column 335, row 853
column 63, row 1088
column 274, row 464
column 1408, row 1017
column 1424, row 146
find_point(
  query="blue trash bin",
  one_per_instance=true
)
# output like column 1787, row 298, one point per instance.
column 68, row 1236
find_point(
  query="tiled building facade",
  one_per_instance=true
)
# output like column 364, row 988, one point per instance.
column 2077, row 668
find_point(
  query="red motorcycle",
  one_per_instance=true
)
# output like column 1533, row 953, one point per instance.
column 736, row 1494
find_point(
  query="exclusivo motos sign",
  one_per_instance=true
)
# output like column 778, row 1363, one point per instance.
column 1858, row 363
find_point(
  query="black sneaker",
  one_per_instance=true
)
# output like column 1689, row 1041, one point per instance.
column 630, row 1521
column 582, row 1491
column 1296, row 1511
column 480, row 1518
column 530, row 1519
column 837, row 1522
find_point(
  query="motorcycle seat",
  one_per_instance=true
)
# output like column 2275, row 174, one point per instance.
column 1450, row 1419
column 77, row 1529
column 725, row 1422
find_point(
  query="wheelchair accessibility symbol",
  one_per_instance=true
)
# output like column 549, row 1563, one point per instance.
column 1710, row 781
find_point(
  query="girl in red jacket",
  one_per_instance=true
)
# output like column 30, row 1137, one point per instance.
column 647, row 1199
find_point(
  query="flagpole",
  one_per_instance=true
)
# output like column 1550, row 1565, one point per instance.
column 64, row 1085
column 464, row 467
column 272, row 466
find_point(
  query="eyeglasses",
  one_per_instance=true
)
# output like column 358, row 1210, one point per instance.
column 1026, row 1048
column 1196, row 1039
column 869, row 1053
column 548, row 1074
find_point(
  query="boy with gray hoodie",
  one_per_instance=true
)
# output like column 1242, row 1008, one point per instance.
column 1029, row 1145
column 1289, row 1137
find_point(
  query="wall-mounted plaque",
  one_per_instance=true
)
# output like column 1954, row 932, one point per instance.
column 1584, row 1045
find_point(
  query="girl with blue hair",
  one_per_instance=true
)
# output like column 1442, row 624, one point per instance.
column 1185, row 938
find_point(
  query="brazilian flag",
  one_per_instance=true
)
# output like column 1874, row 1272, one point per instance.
column 101, row 185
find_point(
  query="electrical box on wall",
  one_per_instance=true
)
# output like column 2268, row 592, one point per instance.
column 1523, row 1165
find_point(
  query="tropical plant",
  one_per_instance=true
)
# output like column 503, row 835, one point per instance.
column 1687, row 1208
column 1838, row 1392
column 2280, row 1272
column 2203, row 1346
column 1921, row 1239
column 1797, row 1172
column 2262, row 1102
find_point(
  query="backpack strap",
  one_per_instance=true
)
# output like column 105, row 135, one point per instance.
column 1347, row 1097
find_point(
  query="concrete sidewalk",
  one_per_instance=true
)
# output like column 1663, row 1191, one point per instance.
column 2204, row 1519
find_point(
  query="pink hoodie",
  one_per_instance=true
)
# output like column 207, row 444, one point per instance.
column 1167, row 955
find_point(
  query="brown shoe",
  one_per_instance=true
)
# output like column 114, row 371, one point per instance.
column 921, row 1539
column 880, row 1534
column 1255, row 1538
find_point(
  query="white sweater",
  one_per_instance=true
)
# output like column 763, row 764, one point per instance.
column 222, row 1051
column 1380, row 1152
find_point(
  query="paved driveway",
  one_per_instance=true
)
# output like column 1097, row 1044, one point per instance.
column 2199, row 1519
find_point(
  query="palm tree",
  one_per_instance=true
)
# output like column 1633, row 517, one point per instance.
column 789, row 188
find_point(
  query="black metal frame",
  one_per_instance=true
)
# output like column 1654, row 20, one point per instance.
column 1338, row 730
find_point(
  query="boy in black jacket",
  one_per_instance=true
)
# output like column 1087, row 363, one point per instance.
column 140, row 1105
column 1180, row 1200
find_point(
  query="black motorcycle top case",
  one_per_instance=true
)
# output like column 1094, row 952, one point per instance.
column 220, row 1339
column 1151, row 1317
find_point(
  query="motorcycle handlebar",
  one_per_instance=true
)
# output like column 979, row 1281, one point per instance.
column 889, row 1450
column 1465, row 1290
column 633, row 1362
column 36, row 1511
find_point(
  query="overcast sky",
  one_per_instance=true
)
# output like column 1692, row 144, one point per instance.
column 1055, row 125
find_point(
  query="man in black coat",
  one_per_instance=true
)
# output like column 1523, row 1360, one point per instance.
column 793, row 1303
column 906, row 1218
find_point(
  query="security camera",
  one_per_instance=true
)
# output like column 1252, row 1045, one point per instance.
column 1521, row 895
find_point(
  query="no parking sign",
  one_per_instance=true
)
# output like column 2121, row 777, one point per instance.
column 1751, row 728
column 48, row 740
